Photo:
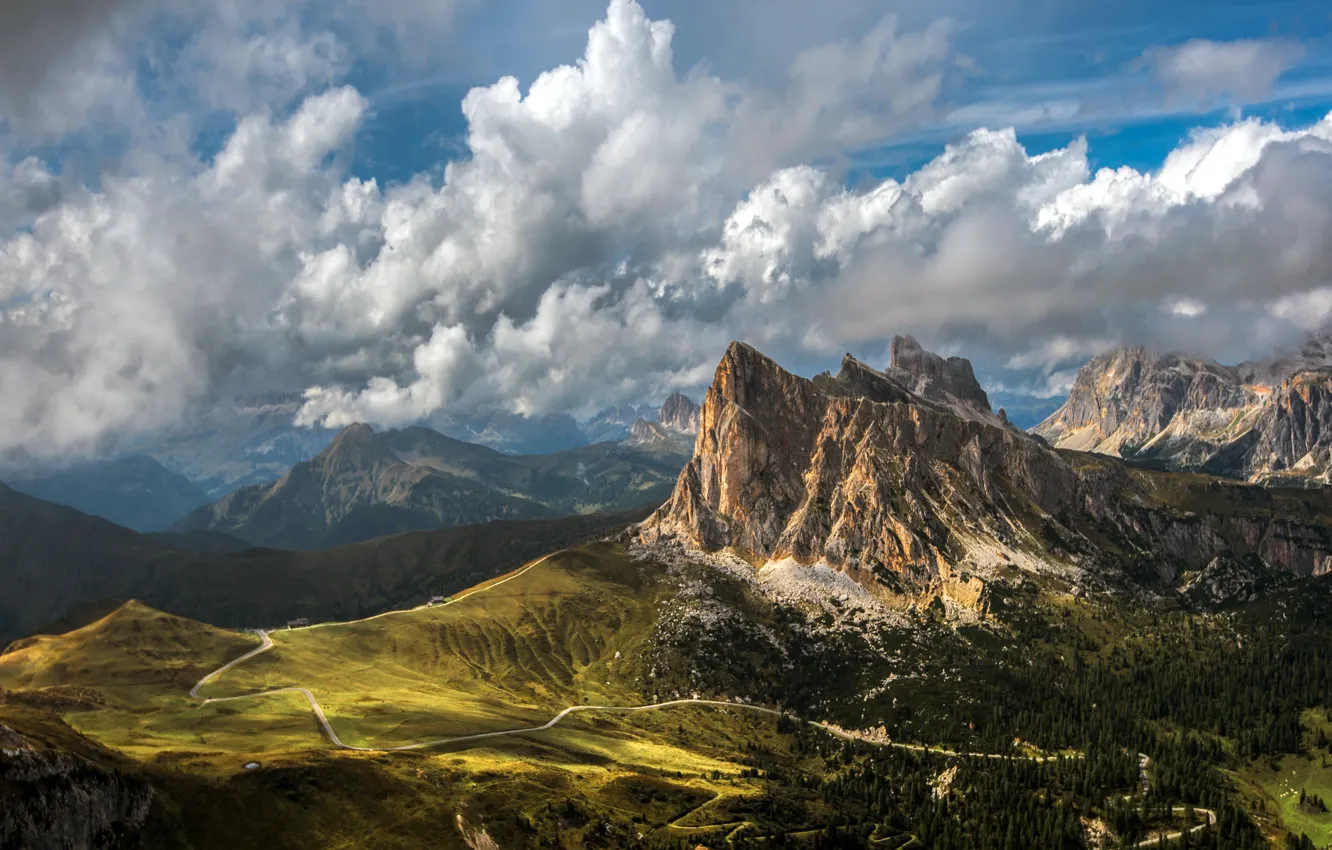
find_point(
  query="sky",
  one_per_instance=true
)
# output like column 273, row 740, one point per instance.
column 407, row 207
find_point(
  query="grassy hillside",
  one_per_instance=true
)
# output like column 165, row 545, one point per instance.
column 54, row 560
column 133, row 647
column 570, row 630
column 508, row 652
column 1227, row 706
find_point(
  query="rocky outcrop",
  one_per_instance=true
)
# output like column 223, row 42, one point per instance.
column 56, row 800
column 906, row 493
column 679, row 413
column 1226, row 579
column 950, row 380
column 1295, row 432
column 674, row 428
column 1250, row 421
column 1134, row 402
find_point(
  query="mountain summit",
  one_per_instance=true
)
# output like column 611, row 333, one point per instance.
column 1268, row 421
column 675, row 426
column 909, row 494
column 926, row 374
column 367, row 484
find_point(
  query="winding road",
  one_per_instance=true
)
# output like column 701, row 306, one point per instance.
column 318, row 710
column 836, row 731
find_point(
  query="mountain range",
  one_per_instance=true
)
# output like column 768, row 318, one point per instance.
column 369, row 484
column 1264, row 421
column 56, row 561
column 858, row 582
column 906, row 481
column 249, row 440
column 236, row 454
column 136, row 491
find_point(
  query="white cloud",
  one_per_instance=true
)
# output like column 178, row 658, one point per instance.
column 1058, row 350
column 606, row 234
column 1309, row 310
column 1187, row 307
column 123, row 306
column 1205, row 72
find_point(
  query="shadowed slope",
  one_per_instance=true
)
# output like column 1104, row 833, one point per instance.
column 54, row 559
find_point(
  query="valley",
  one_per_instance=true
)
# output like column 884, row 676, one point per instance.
column 871, row 614
column 628, row 425
column 701, row 770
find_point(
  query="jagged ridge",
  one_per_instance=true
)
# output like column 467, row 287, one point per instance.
column 908, row 494
column 1265, row 422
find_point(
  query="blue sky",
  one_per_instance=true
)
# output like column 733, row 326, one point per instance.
column 199, row 200
column 1027, row 55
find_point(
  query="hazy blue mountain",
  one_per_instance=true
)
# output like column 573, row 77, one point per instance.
column 367, row 484
column 513, row 433
column 251, row 440
column 136, row 492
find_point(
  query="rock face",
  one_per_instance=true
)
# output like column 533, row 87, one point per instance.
column 1257, row 421
column 675, row 426
column 679, row 413
column 1295, row 431
column 909, row 494
column 615, row 423
column 926, row 374
column 55, row 800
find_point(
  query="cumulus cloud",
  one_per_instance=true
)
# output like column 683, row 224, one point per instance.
column 1017, row 245
column 1205, row 72
column 606, row 234
column 846, row 94
column 121, row 307
column 122, row 66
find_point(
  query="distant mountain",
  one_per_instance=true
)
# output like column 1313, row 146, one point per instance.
column 56, row 562
column 615, row 423
column 136, row 492
column 513, row 433
column 368, row 484
column 251, row 440
column 672, row 428
column 907, row 482
column 1268, row 421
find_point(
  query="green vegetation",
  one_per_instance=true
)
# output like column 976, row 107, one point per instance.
column 1230, row 707
column 566, row 632
column 99, row 561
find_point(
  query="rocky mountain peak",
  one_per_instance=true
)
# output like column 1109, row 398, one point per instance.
column 356, row 448
column 679, row 413
column 910, row 496
column 675, row 425
column 934, row 377
column 1192, row 413
column 851, row 469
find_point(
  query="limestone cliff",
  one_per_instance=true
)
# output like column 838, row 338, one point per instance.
column 679, row 413
column 675, row 425
column 909, row 494
column 1251, row 421
column 947, row 380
